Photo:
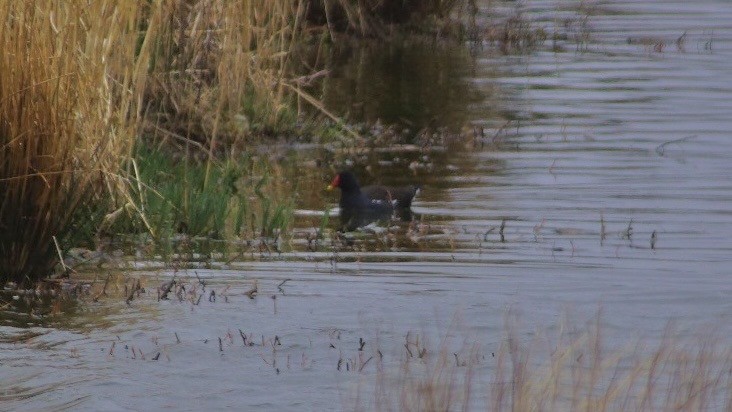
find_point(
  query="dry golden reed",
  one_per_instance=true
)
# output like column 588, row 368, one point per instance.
column 81, row 80
column 219, row 69
column 71, row 73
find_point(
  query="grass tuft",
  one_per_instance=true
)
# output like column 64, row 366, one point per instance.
column 190, row 205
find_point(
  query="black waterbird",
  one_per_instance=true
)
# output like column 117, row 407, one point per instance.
column 363, row 205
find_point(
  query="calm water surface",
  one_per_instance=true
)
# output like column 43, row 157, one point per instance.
column 607, row 163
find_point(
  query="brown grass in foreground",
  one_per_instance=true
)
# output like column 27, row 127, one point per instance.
column 575, row 373
column 67, row 118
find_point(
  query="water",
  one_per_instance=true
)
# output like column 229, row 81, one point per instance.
column 607, row 167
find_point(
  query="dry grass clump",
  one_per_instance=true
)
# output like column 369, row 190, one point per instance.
column 219, row 69
column 578, row 372
column 684, row 374
column 67, row 118
column 80, row 79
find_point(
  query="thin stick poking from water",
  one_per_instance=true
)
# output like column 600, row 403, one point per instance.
column 60, row 255
column 252, row 292
column 104, row 289
column 363, row 365
column 628, row 234
column 574, row 249
column 603, row 234
column 165, row 289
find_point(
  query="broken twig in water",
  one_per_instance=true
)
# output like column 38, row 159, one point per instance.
column 363, row 365
column 602, row 228
column 200, row 281
column 279, row 287
column 628, row 233
column 252, row 292
column 165, row 288
column 135, row 288
column 660, row 149
column 104, row 289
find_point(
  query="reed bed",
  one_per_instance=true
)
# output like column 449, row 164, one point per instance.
column 219, row 71
column 81, row 82
column 71, row 77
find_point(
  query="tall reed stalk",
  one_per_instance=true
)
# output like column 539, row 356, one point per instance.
column 71, row 75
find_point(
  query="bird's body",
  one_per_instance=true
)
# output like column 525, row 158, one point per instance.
column 361, row 206
column 400, row 197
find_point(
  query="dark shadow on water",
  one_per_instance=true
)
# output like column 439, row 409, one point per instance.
column 414, row 84
column 406, row 215
column 26, row 308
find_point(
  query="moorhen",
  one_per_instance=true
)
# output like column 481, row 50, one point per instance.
column 363, row 205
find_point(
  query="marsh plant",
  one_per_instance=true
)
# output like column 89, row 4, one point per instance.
column 578, row 370
column 219, row 70
column 187, row 205
column 70, row 80
column 81, row 80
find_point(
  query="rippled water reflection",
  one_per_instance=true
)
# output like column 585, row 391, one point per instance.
column 602, row 180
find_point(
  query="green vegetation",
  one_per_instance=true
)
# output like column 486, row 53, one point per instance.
column 175, row 197
column 187, row 205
